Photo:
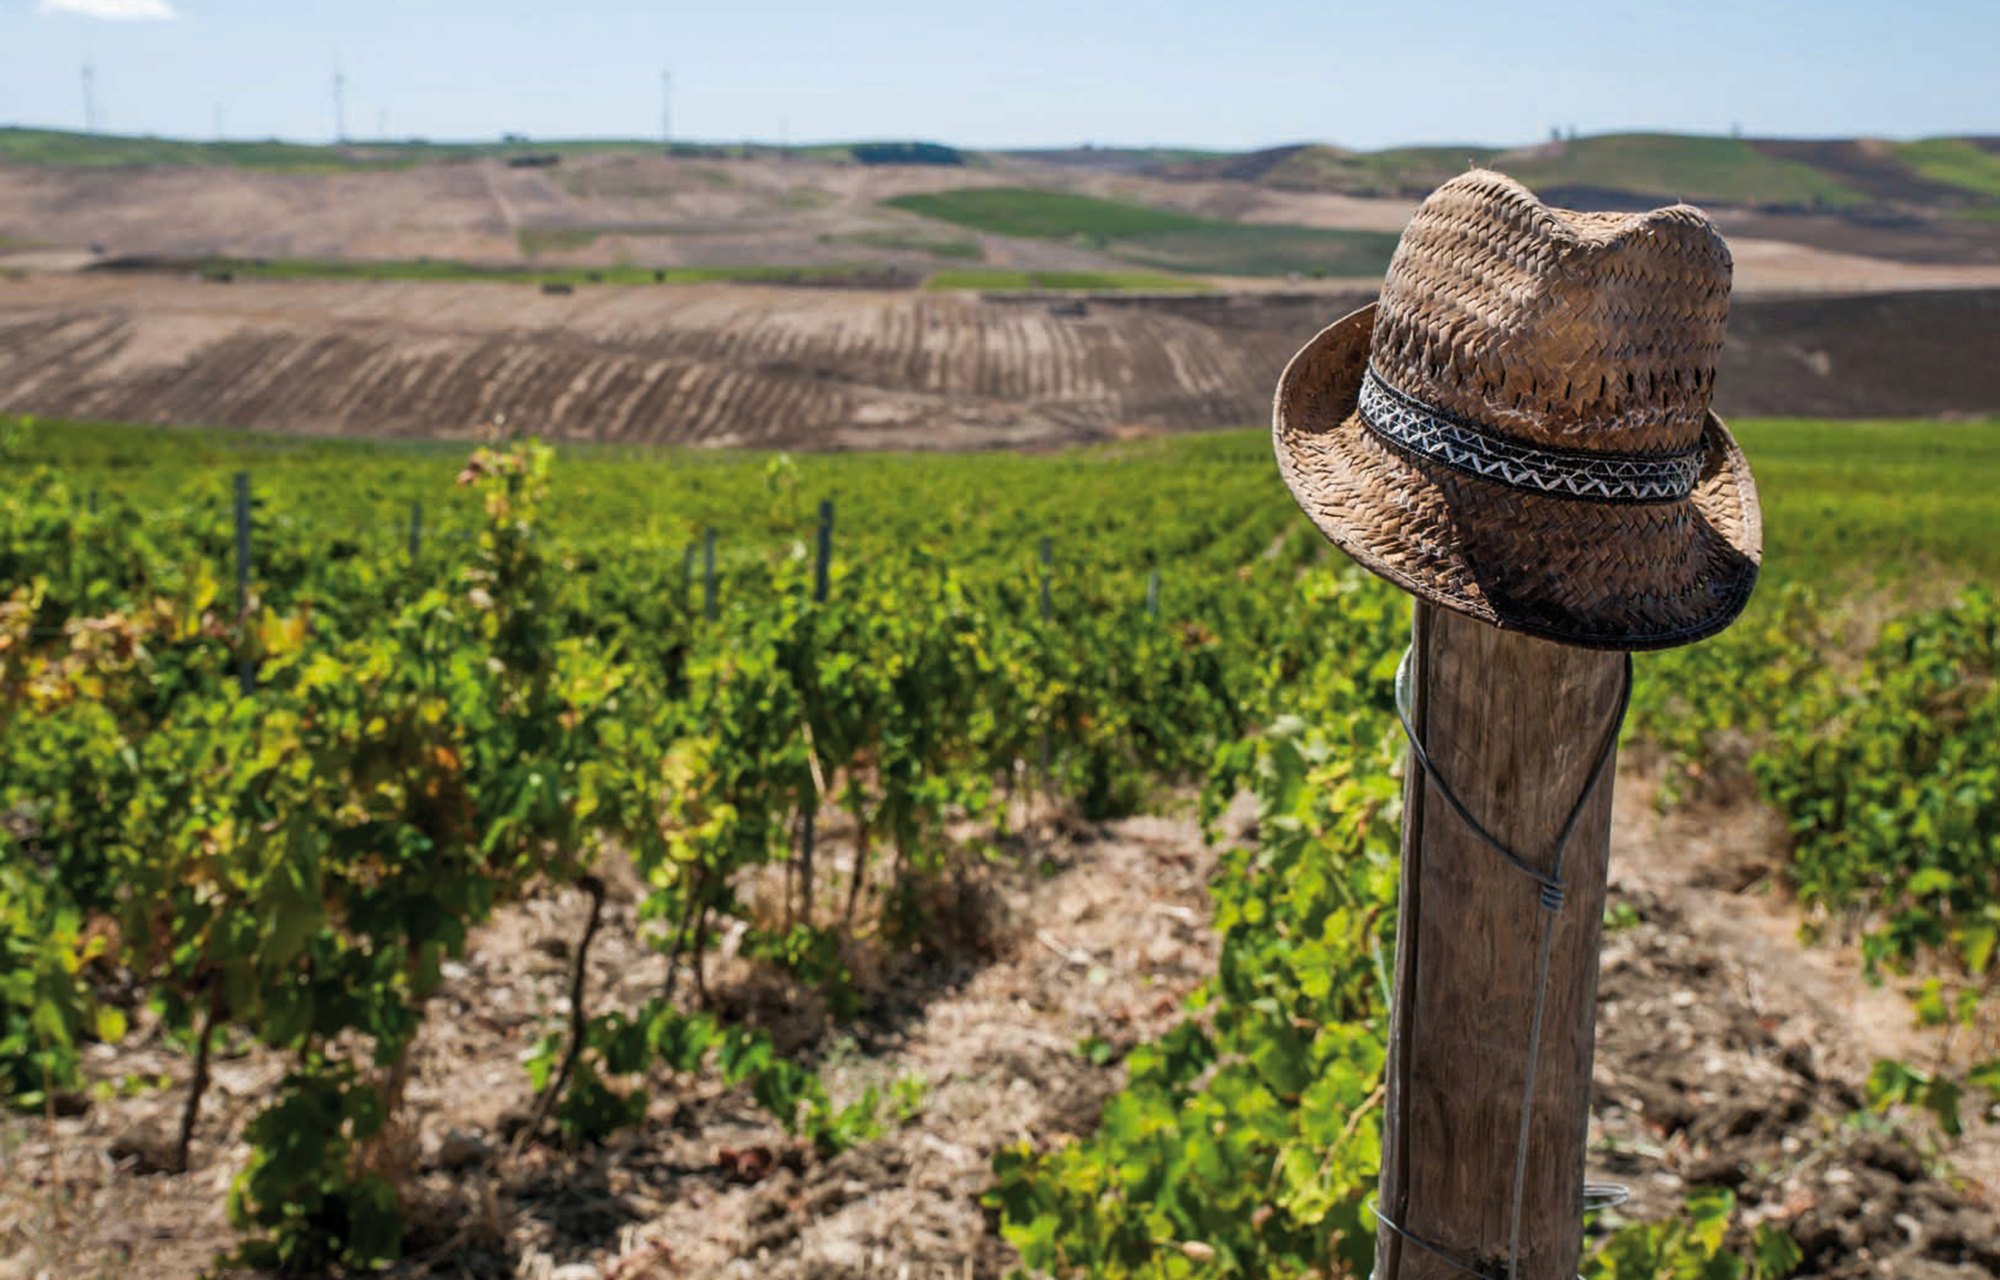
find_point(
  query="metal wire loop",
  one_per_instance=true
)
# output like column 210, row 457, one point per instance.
column 1437, row 1251
column 1597, row 1196
column 1551, row 881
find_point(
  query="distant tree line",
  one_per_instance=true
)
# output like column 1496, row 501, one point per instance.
column 906, row 153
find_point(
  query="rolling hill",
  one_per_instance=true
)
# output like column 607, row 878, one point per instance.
column 1647, row 168
column 1155, row 237
column 1948, row 173
column 1318, row 167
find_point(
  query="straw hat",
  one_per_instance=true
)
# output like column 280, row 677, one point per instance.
column 1519, row 430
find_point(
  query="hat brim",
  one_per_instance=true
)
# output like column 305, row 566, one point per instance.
column 1598, row 575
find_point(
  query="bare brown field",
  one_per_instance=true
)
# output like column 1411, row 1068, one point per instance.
column 1953, row 243
column 440, row 210
column 653, row 210
column 627, row 207
column 720, row 365
column 812, row 368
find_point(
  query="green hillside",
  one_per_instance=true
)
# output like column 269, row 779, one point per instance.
column 1958, row 174
column 103, row 150
column 1960, row 162
column 1318, row 167
column 1160, row 238
column 1816, row 173
column 1424, row 166
column 1045, row 215
column 1675, row 166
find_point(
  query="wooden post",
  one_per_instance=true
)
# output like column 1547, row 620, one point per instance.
column 708, row 574
column 808, row 818
column 1153, row 594
column 1048, row 559
column 416, row 530
column 1048, row 554
column 245, row 674
column 823, row 562
column 1514, row 726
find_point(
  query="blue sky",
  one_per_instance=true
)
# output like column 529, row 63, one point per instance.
column 1219, row 73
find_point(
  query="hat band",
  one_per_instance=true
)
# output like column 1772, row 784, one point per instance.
column 1433, row 435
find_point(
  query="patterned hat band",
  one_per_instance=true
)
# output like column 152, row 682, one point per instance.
column 1433, row 435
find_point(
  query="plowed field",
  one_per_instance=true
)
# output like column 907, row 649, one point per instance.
column 722, row 365
column 737, row 365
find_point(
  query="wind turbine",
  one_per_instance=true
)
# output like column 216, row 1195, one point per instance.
column 339, row 102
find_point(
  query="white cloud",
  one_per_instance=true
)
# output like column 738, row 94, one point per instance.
column 115, row 10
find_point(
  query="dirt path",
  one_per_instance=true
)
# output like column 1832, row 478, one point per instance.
column 1720, row 1031
column 489, row 174
column 1086, row 932
column 1717, row 867
column 1727, row 1053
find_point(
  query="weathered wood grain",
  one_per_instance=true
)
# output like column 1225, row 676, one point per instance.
column 1513, row 724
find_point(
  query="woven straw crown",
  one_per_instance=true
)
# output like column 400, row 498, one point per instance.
column 1520, row 429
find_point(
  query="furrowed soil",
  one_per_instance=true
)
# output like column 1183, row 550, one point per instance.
column 825, row 368
column 1727, row 1054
